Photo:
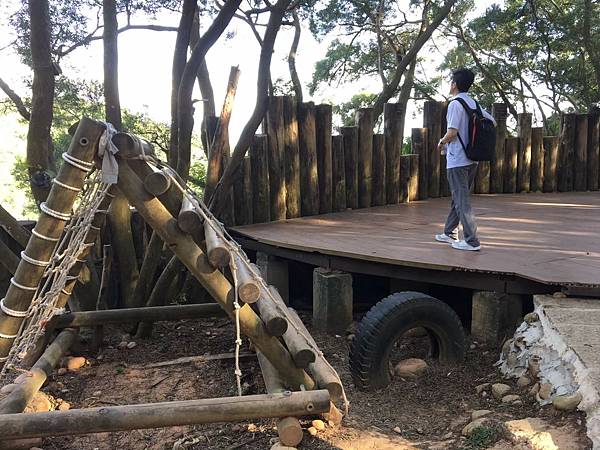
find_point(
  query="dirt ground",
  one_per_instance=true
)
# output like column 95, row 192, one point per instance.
column 428, row 413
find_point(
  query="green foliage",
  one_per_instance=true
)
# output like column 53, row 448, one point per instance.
column 283, row 87
column 481, row 438
column 197, row 176
column 346, row 111
column 19, row 173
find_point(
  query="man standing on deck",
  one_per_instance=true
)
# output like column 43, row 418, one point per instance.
column 461, row 170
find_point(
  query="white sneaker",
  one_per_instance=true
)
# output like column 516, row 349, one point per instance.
column 463, row 245
column 445, row 238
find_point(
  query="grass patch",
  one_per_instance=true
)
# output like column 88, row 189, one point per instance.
column 482, row 437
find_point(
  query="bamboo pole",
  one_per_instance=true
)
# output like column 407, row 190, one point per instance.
column 393, row 148
column 551, row 144
column 338, row 174
column 21, row 395
column 275, row 323
column 164, row 414
column 432, row 120
column 156, row 215
column 217, row 251
column 324, row 117
column 593, row 147
column 510, row 164
column 48, row 229
column 379, row 191
column 188, row 219
column 499, row 112
column 259, row 161
column 350, row 136
column 292, row 158
column 325, row 376
column 276, row 145
column 309, row 178
column 581, row 160
column 419, row 142
column 537, row 159
column 524, row 152
column 566, row 153
column 413, row 183
column 364, row 123
column 288, row 428
column 248, row 288
column 128, row 315
column 242, row 189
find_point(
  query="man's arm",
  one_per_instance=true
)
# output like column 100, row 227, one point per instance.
column 447, row 138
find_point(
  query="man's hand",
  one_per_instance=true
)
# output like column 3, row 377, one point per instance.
column 441, row 148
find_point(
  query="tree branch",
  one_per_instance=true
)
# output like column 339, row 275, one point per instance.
column 14, row 97
column 292, row 58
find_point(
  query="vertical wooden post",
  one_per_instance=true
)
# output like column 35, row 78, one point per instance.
column 593, row 148
column 510, row 164
column 444, row 186
column 364, row 122
column 350, row 136
column 48, row 229
column 566, row 153
column 275, row 133
column 338, row 173
column 323, row 123
column 291, row 158
column 551, row 144
column 379, row 192
column 404, row 178
column 419, row 139
column 524, row 152
column 482, row 178
column 413, row 184
column 242, row 189
column 581, row 139
column 393, row 148
column 432, row 120
column 259, row 161
column 500, row 112
column 309, row 178
column 537, row 159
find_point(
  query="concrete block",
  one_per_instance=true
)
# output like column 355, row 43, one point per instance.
column 332, row 300
column 495, row 315
column 275, row 272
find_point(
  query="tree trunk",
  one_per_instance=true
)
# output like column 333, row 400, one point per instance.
column 40, row 158
column 221, row 195
column 119, row 212
column 185, row 109
column 179, row 60
column 292, row 58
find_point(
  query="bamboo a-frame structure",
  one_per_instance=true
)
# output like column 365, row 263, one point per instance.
column 298, row 378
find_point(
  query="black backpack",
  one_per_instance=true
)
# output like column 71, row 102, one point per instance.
column 482, row 134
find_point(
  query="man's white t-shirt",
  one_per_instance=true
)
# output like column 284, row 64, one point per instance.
column 458, row 119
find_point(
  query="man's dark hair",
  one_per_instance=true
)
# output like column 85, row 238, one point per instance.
column 464, row 79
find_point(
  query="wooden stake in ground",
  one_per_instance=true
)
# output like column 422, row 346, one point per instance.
column 393, row 147
column 581, row 162
column 566, row 153
column 537, row 159
column 499, row 112
column 292, row 158
column 419, row 140
column 432, row 120
column 350, row 137
column 593, row 148
column 309, row 178
column 551, row 144
column 324, row 157
column 379, row 191
column 276, row 146
column 364, row 122
column 338, row 174
column 510, row 164
column 259, row 161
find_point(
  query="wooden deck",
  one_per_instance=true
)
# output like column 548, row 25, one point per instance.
column 547, row 238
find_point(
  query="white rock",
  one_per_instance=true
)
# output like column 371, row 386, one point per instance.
column 131, row 344
column 397, row 430
column 523, row 381
column 510, row 398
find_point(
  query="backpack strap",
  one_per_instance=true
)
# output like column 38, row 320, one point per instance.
column 469, row 111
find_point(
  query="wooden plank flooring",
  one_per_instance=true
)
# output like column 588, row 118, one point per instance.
column 549, row 238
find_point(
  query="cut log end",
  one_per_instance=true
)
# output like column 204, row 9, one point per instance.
column 276, row 326
column 289, row 431
column 189, row 221
column 249, row 292
column 157, row 183
column 304, row 357
column 219, row 257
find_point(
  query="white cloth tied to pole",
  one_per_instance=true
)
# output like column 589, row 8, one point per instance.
column 107, row 151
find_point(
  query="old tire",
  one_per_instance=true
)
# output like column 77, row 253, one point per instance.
column 387, row 321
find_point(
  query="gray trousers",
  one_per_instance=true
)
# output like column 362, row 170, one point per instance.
column 460, row 180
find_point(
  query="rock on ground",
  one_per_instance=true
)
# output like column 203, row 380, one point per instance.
column 411, row 368
column 499, row 390
column 39, row 403
column 540, row 435
column 472, row 426
column 480, row 413
column 75, row 363
column 318, row 424
column 567, row 402
column 511, row 398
